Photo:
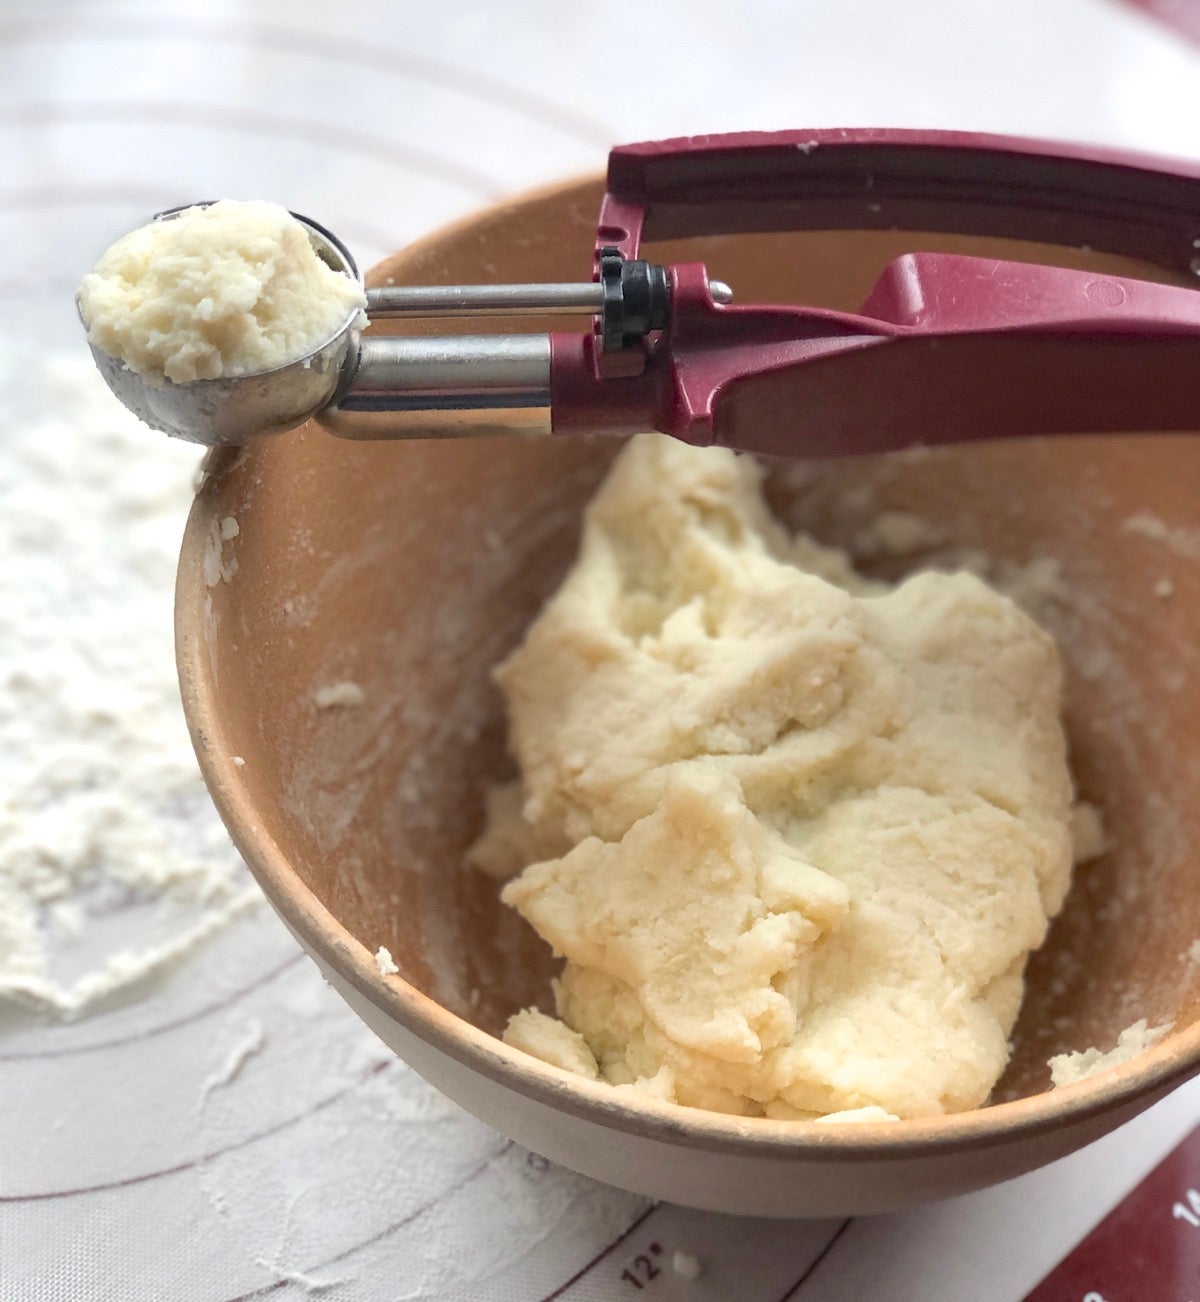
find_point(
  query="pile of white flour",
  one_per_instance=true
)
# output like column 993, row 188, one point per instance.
column 102, row 808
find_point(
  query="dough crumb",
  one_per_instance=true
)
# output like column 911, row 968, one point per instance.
column 336, row 695
column 659, row 1088
column 238, row 762
column 553, row 1042
column 1088, row 837
column 683, row 1263
column 1071, row 1068
column 1180, row 539
column 229, row 528
column 1164, row 588
column 217, row 567
column 235, row 288
column 859, row 1116
column 385, row 962
column 899, row 533
column 793, row 832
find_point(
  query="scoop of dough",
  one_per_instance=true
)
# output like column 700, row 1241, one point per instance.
column 231, row 289
column 805, row 829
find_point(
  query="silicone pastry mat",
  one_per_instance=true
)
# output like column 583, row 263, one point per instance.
column 236, row 1133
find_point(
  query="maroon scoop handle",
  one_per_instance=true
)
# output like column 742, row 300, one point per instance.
column 863, row 179
column 946, row 348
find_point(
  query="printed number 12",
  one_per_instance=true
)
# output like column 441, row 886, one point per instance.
column 641, row 1272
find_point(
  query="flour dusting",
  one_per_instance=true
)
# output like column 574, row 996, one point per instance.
column 104, row 812
column 252, row 1040
column 309, row 1283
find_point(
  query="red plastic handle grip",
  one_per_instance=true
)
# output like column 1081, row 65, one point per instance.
column 947, row 347
column 958, row 182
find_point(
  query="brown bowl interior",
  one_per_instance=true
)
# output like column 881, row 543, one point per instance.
column 411, row 568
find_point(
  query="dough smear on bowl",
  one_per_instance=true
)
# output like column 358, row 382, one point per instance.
column 795, row 833
column 231, row 289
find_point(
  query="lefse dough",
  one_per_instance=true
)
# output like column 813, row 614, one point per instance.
column 234, row 288
column 794, row 833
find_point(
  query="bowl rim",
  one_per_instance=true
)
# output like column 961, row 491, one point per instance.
column 1142, row 1080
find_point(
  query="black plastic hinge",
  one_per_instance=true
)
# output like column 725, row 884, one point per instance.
column 637, row 299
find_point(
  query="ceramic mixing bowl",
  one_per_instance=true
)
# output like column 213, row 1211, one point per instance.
column 409, row 569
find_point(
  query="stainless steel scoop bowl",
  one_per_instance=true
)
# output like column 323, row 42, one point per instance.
column 235, row 408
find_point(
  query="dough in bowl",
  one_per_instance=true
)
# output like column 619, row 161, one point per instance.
column 795, row 833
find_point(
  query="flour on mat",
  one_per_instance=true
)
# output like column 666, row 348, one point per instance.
column 385, row 962
column 251, row 1040
column 106, row 829
column 308, row 1283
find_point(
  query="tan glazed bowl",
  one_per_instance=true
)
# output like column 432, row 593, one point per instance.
column 409, row 569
